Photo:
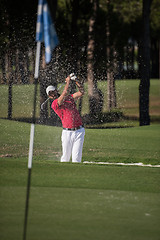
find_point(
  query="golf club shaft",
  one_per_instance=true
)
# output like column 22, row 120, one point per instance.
column 44, row 103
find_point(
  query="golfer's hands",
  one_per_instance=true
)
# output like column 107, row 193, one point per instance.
column 68, row 79
column 73, row 77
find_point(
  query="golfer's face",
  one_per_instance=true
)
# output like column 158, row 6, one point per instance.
column 53, row 94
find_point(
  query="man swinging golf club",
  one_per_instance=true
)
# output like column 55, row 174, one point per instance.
column 73, row 131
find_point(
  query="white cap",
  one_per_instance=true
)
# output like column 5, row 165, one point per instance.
column 50, row 88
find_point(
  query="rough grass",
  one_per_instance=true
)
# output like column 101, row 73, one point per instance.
column 127, row 99
column 127, row 92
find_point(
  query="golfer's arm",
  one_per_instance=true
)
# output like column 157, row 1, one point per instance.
column 80, row 93
column 63, row 95
column 80, row 87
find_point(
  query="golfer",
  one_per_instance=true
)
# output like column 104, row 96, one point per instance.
column 73, row 131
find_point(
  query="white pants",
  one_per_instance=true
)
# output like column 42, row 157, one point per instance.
column 72, row 144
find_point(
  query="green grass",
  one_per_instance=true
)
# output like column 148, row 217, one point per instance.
column 22, row 101
column 127, row 100
column 139, row 144
column 78, row 201
column 127, row 92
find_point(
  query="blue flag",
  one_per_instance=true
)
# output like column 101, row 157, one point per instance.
column 45, row 30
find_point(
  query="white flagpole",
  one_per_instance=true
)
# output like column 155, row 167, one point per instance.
column 30, row 156
column 31, row 146
column 36, row 74
column 39, row 30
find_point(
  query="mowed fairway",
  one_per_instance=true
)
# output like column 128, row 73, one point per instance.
column 78, row 201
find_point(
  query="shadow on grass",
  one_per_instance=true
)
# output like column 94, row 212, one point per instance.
column 98, row 121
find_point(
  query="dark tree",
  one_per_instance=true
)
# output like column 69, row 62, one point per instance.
column 111, row 89
column 94, row 94
column 74, row 41
column 145, row 67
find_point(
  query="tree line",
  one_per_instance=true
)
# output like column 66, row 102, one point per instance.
column 99, row 40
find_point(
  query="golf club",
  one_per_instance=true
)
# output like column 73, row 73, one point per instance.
column 42, row 105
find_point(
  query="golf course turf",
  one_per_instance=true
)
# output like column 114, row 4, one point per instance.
column 79, row 201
